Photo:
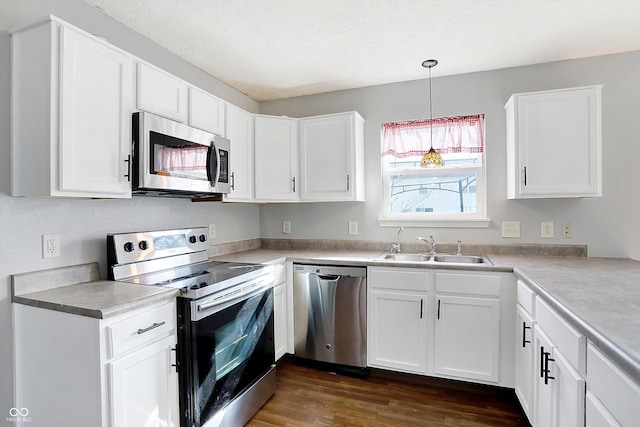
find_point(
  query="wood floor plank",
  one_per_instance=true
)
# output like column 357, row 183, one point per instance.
column 308, row 397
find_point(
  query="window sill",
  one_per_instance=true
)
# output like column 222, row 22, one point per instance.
column 435, row 222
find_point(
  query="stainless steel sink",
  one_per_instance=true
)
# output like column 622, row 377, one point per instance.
column 438, row 258
column 406, row 257
column 460, row 259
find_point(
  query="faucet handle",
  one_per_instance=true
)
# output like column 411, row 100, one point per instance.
column 395, row 248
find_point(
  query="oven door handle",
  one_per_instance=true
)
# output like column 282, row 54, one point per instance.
column 241, row 294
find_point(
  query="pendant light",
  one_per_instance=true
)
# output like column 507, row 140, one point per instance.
column 431, row 158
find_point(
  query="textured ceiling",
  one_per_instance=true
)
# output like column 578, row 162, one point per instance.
column 273, row 49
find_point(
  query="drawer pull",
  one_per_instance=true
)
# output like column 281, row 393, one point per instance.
column 155, row 325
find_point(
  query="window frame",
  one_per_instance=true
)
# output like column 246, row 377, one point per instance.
column 476, row 219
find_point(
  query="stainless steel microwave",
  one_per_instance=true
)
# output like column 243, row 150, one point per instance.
column 170, row 158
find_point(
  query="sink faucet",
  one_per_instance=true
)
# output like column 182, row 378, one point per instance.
column 395, row 248
column 431, row 242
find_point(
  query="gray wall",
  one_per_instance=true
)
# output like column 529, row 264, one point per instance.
column 608, row 225
column 83, row 224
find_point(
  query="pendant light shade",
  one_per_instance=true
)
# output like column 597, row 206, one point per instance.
column 431, row 158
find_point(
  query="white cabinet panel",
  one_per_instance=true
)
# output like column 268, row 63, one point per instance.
column 554, row 143
column 276, row 159
column 397, row 332
column 144, row 387
column 467, row 337
column 239, row 130
column 331, row 157
column 206, row 112
column 72, row 100
column 161, row 93
column 525, row 365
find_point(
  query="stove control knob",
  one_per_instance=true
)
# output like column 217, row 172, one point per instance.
column 129, row 247
column 192, row 239
column 143, row 245
column 203, row 238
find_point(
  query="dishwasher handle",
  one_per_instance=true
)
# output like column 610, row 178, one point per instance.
column 328, row 277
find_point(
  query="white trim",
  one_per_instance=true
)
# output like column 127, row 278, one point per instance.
column 434, row 222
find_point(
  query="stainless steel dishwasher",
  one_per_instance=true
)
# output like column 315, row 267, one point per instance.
column 330, row 314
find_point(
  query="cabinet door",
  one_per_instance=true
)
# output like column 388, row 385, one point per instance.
column 239, row 130
column 327, row 157
column 276, row 159
column 161, row 93
column 467, row 337
column 280, row 319
column 144, row 387
column 560, row 389
column 524, row 361
column 206, row 112
column 556, row 137
column 96, row 102
column 397, row 331
column 596, row 414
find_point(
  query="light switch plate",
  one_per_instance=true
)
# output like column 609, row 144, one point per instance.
column 511, row 229
column 212, row 231
column 353, row 228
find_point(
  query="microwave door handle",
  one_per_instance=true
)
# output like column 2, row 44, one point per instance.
column 213, row 174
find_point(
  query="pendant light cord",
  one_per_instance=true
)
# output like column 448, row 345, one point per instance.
column 430, row 111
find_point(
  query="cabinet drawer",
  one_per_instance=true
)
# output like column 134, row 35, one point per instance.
column 571, row 343
column 279, row 274
column 398, row 279
column 476, row 284
column 525, row 297
column 141, row 329
column 619, row 394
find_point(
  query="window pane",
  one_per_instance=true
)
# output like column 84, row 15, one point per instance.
column 452, row 192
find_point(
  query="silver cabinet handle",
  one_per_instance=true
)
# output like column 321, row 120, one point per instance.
column 147, row 329
column 348, row 182
column 128, row 162
column 294, row 184
column 233, row 180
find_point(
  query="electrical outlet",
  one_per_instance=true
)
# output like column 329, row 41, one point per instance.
column 212, row 231
column 511, row 229
column 546, row 230
column 286, row 227
column 353, row 228
column 50, row 245
column 566, row 230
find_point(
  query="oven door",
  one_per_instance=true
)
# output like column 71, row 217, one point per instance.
column 225, row 346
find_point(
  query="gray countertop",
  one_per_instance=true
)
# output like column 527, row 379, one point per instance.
column 600, row 297
column 78, row 290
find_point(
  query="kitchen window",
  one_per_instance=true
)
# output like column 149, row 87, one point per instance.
column 452, row 195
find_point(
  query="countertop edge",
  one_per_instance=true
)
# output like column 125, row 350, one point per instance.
column 619, row 356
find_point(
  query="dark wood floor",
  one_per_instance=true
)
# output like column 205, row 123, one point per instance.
column 310, row 397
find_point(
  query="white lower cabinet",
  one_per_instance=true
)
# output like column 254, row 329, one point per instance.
column 280, row 313
column 613, row 397
column 524, row 373
column 74, row 370
column 398, row 308
column 467, row 337
column 449, row 324
column 143, row 386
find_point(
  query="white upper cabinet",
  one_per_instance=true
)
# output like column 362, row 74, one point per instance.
column 72, row 100
column 161, row 93
column 239, row 130
column 206, row 111
column 332, row 157
column 554, row 144
column 276, row 159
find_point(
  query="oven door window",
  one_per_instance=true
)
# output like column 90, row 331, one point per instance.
column 179, row 158
column 233, row 348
